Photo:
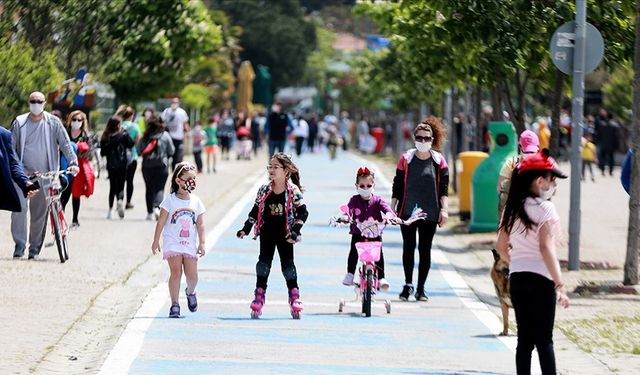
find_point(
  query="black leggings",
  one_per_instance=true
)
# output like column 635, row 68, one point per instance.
column 154, row 180
column 268, row 246
column 131, row 172
column 426, row 231
column 116, row 185
column 534, row 301
column 352, row 261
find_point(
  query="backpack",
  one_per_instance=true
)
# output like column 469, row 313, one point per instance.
column 119, row 157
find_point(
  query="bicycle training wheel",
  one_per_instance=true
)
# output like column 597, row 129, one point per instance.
column 366, row 300
column 57, row 233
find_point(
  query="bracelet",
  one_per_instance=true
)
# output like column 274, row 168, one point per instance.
column 559, row 286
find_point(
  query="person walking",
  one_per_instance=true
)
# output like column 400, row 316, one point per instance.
column 198, row 137
column 528, row 143
column 421, row 182
column 84, row 182
column 177, row 123
column 115, row 145
column 313, row 133
column 277, row 127
column 301, row 132
column 38, row 138
column 606, row 137
column 589, row 155
column 211, row 144
column 181, row 225
column 278, row 213
column 155, row 147
column 226, row 132
column 12, row 172
column 526, row 239
column 134, row 132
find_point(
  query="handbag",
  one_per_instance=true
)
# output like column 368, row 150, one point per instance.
column 150, row 147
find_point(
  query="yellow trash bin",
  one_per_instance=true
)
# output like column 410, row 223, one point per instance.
column 470, row 161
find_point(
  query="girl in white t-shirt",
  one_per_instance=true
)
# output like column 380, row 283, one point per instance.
column 529, row 225
column 181, row 224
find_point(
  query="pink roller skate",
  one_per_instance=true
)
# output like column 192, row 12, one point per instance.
column 257, row 303
column 296, row 304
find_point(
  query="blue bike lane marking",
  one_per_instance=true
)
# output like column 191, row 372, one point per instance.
column 445, row 335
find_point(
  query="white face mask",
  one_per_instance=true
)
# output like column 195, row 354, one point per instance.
column 365, row 193
column 36, row 108
column 76, row 125
column 547, row 194
column 174, row 106
column 423, row 147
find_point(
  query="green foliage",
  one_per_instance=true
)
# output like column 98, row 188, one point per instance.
column 159, row 43
column 23, row 71
column 276, row 36
column 618, row 93
column 317, row 68
column 195, row 96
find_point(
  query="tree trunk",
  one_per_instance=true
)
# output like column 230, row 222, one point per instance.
column 633, row 231
column 496, row 99
column 477, row 98
column 556, row 102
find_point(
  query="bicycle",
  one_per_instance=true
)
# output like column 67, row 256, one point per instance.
column 368, row 253
column 96, row 159
column 59, row 228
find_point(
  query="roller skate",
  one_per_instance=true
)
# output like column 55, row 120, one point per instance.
column 295, row 303
column 257, row 303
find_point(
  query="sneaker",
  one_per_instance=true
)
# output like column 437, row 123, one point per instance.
column 156, row 213
column 109, row 214
column 75, row 225
column 150, row 217
column 383, row 284
column 34, row 257
column 120, row 208
column 192, row 301
column 174, row 311
column 407, row 291
column 128, row 206
column 348, row 279
column 18, row 252
column 420, row 296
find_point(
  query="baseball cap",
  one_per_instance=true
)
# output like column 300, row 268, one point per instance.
column 541, row 161
column 529, row 141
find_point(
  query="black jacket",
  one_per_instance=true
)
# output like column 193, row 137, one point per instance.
column 10, row 170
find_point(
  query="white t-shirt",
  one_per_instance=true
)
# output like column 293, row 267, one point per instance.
column 174, row 120
column 301, row 129
column 525, row 252
column 179, row 234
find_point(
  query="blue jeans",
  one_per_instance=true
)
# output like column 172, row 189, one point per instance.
column 276, row 144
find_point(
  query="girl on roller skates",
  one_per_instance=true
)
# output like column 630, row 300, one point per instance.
column 278, row 213
column 363, row 206
column 181, row 224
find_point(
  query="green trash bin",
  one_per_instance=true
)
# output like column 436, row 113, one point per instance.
column 484, row 196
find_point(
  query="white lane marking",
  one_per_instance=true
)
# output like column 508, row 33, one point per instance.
column 455, row 281
column 130, row 342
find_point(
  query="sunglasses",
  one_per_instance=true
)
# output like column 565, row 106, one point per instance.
column 33, row 101
column 363, row 186
column 423, row 139
column 76, row 119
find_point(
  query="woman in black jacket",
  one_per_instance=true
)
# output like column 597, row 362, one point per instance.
column 115, row 145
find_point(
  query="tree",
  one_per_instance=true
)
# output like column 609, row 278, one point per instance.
column 276, row 36
column 633, row 231
column 618, row 95
column 23, row 71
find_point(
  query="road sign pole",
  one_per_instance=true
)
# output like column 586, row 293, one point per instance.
column 577, row 113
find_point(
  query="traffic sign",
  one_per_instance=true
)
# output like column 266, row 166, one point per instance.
column 562, row 44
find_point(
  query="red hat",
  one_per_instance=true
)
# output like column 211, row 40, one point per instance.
column 540, row 161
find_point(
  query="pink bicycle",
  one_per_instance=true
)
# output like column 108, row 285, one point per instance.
column 59, row 228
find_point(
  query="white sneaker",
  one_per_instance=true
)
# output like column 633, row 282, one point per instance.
column 150, row 217
column 156, row 213
column 109, row 214
column 348, row 279
column 383, row 284
column 120, row 208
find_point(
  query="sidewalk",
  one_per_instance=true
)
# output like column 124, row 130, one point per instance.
column 64, row 318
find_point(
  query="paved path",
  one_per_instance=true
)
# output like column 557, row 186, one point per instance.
column 452, row 333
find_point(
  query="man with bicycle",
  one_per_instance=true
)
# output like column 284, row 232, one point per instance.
column 38, row 138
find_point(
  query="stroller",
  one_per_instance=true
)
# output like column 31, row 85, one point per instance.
column 244, row 145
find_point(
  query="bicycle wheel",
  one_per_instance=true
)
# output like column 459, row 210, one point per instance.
column 366, row 300
column 57, row 232
column 65, row 231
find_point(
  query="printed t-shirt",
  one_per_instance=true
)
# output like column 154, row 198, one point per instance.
column 179, row 234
